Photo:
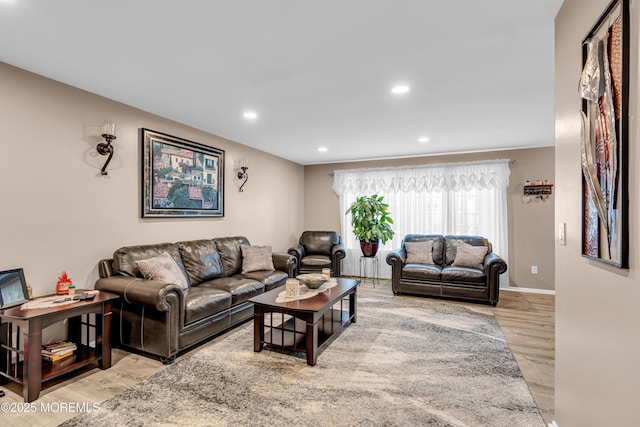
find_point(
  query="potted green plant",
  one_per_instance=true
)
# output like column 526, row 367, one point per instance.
column 371, row 223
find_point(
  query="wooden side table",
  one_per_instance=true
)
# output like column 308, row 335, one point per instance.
column 21, row 341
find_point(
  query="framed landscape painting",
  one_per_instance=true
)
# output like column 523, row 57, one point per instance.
column 180, row 178
column 604, row 89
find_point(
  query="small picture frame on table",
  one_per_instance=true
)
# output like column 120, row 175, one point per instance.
column 13, row 288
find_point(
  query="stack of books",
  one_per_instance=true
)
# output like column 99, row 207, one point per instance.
column 58, row 350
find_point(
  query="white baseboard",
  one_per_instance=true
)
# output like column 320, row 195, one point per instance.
column 529, row 290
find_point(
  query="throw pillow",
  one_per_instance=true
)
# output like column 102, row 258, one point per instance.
column 162, row 268
column 470, row 256
column 256, row 258
column 419, row 252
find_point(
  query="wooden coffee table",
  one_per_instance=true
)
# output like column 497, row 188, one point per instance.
column 303, row 325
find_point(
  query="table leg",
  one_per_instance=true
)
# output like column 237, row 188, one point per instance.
column 103, row 336
column 258, row 328
column 376, row 270
column 353, row 307
column 5, row 356
column 312, row 342
column 32, row 368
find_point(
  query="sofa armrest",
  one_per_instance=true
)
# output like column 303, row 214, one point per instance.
column 285, row 262
column 137, row 291
column 297, row 252
column 338, row 251
column 397, row 256
column 396, row 259
column 494, row 266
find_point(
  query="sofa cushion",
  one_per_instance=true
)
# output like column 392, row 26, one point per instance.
column 256, row 258
column 241, row 288
column 437, row 242
column 162, row 268
column 465, row 275
column 451, row 245
column 201, row 260
column 469, row 256
column 270, row 279
column 202, row 302
column 422, row 272
column 229, row 250
column 124, row 259
column 315, row 262
column 419, row 252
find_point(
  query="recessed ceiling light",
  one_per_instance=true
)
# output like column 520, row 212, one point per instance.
column 249, row 115
column 322, row 149
column 423, row 139
column 400, row 89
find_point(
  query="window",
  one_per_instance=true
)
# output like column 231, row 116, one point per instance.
column 453, row 198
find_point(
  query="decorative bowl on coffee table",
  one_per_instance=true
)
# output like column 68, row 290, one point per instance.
column 312, row 280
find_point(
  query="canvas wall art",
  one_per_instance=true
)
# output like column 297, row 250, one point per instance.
column 603, row 87
column 180, row 178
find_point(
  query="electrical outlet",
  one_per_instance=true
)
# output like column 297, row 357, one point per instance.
column 534, row 269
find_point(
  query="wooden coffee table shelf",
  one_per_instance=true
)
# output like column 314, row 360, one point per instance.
column 21, row 341
column 304, row 325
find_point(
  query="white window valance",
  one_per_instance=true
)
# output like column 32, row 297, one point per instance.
column 433, row 177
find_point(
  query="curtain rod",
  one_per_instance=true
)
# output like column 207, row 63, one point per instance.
column 510, row 161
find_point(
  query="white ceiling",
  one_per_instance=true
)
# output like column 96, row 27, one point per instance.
column 317, row 72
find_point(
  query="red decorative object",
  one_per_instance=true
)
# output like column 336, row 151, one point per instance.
column 62, row 287
column 369, row 249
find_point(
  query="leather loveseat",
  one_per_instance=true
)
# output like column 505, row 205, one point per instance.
column 164, row 317
column 460, row 267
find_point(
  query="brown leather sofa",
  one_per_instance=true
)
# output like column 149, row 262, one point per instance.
column 317, row 250
column 162, row 318
column 442, row 277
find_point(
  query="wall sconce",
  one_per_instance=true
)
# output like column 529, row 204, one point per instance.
column 109, row 134
column 242, row 164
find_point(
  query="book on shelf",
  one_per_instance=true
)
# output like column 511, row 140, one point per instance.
column 59, row 346
column 56, row 351
column 56, row 357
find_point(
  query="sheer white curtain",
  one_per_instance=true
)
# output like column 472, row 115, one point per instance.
column 447, row 198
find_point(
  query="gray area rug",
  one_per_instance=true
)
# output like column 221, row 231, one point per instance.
column 406, row 362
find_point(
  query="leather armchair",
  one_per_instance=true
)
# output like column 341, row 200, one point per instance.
column 317, row 250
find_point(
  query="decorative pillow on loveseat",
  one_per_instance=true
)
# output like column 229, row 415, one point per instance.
column 256, row 258
column 164, row 269
column 470, row 256
column 419, row 252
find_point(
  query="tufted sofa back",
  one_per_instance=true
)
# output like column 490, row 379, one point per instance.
column 319, row 242
column 124, row 258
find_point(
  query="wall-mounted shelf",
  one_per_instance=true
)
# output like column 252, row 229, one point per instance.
column 540, row 191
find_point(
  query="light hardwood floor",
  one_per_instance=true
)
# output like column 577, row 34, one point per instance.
column 527, row 321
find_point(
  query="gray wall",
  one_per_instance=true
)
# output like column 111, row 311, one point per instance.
column 58, row 213
column 597, row 316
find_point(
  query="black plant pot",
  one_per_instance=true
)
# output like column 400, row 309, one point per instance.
column 369, row 249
